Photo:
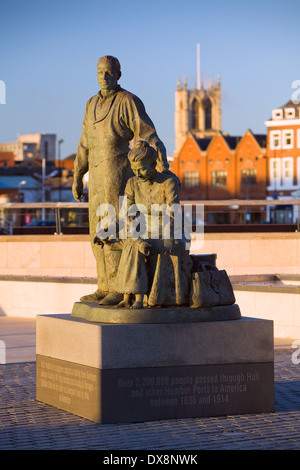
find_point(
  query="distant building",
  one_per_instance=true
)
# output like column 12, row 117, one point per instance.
column 283, row 150
column 59, row 187
column 67, row 163
column 252, row 166
column 32, row 146
column 283, row 156
column 197, row 112
column 222, row 167
column 6, row 159
column 19, row 189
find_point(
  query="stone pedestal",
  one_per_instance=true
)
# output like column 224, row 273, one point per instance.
column 114, row 373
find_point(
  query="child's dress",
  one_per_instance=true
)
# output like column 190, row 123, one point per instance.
column 169, row 274
column 132, row 276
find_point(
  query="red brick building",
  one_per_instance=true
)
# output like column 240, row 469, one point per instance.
column 222, row 167
column 252, row 166
column 6, row 159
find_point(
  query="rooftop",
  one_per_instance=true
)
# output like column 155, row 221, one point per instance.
column 13, row 182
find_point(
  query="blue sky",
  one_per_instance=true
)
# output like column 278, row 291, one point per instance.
column 49, row 52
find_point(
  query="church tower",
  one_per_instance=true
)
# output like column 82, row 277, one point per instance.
column 197, row 111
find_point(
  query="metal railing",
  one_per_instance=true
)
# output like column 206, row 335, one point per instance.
column 41, row 210
column 231, row 206
column 271, row 208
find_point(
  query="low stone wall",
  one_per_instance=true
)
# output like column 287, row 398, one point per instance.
column 50, row 273
column 47, row 255
column 274, row 298
column 71, row 255
column 253, row 253
column 28, row 296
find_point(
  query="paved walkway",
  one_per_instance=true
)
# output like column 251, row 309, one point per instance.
column 28, row 424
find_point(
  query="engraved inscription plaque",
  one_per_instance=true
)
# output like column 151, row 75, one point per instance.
column 139, row 394
column 69, row 386
column 189, row 391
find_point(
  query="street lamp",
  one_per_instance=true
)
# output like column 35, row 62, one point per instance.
column 21, row 183
column 61, row 141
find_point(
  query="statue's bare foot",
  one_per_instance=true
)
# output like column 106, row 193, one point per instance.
column 137, row 304
column 123, row 304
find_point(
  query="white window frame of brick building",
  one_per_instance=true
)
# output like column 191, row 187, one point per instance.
column 282, row 173
column 275, row 172
column 249, row 177
column 288, row 172
column 219, row 178
column 275, row 136
column 277, row 113
column 190, row 179
column 289, row 113
column 288, row 139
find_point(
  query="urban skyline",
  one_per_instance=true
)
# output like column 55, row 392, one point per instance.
column 50, row 52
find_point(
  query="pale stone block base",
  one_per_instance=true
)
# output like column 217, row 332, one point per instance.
column 111, row 373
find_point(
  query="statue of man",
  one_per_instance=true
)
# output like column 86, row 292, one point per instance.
column 113, row 118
